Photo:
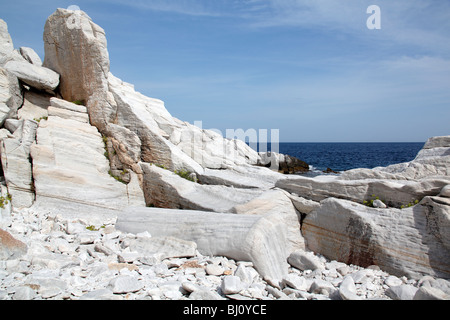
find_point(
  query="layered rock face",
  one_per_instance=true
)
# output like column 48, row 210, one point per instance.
column 75, row 47
column 409, row 242
column 15, row 152
column 10, row 95
column 50, row 151
column 74, row 42
column 69, row 163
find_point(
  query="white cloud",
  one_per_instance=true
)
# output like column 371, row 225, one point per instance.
column 305, row 13
column 184, row 7
column 420, row 23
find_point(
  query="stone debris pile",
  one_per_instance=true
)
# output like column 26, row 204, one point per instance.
column 75, row 261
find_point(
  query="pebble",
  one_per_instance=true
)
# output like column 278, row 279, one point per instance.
column 402, row 292
column 24, row 293
column 393, row 281
column 72, row 260
column 379, row 204
column 347, row 289
column 304, row 261
column 231, row 285
column 322, row 287
column 296, row 282
column 214, row 270
column 125, row 284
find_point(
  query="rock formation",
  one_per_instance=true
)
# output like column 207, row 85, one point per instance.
column 7, row 46
column 283, row 163
column 15, row 152
column 69, row 162
column 81, row 149
column 412, row 242
column 396, row 185
column 244, row 237
column 36, row 76
column 407, row 238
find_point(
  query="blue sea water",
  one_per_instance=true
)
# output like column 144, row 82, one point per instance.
column 346, row 156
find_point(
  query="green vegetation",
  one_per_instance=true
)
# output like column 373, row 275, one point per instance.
column 39, row 119
column 79, row 102
column 107, row 155
column 161, row 166
column 117, row 178
column 369, row 202
column 184, row 174
column 411, row 204
column 93, row 228
column 5, row 200
column 105, row 143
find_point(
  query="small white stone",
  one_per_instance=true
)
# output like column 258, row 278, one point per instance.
column 50, row 292
column 393, row 281
column 75, row 228
column 125, row 284
column 231, row 285
column 445, row 191
column 359, row 276
column 304, row 261
column 189, row 286
column 402, row 292
column 129, row 257
column 296, row 282
column 321, row 287
column 347, row 289
column 379, row 204
column 214, row 270
column 24, row 293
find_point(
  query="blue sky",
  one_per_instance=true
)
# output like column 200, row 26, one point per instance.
column 310, row 68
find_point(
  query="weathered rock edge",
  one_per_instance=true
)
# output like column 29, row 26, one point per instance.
column 240, row 237
column 412, row 242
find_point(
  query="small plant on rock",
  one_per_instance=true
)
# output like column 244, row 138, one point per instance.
column 117, row 178
column 161, row 166
column 184, row 174
column 39, row 119
column 5, row 200
column 93, row 228
column 105, row 144
column 79, row 102
column 410, row 204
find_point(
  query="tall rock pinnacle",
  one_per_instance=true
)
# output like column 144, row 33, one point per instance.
column 76, row 48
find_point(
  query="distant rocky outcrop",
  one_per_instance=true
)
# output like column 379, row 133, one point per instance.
column 283, row 163
column 78, row 142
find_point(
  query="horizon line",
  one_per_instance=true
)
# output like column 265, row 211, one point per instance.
column 352, row 142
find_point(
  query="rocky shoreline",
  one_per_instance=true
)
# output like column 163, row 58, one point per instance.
column 105, row 195
column 71, row 260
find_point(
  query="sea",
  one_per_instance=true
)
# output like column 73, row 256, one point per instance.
column 345, row 156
